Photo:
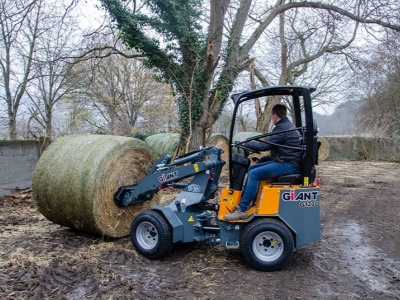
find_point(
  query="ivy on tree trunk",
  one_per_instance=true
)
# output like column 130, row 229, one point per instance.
column 171, row 36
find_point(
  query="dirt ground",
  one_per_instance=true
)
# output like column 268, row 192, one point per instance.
column 358, row 256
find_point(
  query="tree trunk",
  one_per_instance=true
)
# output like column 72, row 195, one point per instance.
column 199, row 128
column 198, row 137
column 49, row 127
column 264, row 123
column 12, row 126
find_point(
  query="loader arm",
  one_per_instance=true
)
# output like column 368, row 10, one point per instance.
column 203, row 165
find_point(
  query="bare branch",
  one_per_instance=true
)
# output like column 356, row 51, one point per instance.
column 278, row 9
column 97, row 52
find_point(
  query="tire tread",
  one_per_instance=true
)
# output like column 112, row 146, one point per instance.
column 246, row 245
column 164, row 229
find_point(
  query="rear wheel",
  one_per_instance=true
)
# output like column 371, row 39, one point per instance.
column 151, row 234
column 267, row 244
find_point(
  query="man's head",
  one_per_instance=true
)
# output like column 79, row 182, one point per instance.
column 278, row 112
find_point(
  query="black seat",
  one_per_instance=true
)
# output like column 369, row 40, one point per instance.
column 292, row 179
column 295, row 178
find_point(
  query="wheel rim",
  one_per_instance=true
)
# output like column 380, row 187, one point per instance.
column 147, row 235
column 268, row 246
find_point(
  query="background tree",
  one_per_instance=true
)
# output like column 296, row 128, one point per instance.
column 342, row 121
column 19, row 21
column 204, row 61
column 23, row 24
column 159, row 114
column 311, row 50
column 54, row 75
column 124, row 95
column 379, row 112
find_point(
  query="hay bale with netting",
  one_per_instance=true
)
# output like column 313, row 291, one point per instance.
column 163, row 143
column 76, row 177
column 241, row 136
column 323, row 151
column 219, row 140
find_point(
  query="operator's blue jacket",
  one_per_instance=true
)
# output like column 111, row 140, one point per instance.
column 289, row 138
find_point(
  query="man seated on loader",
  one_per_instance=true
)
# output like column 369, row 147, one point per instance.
column 285, row 159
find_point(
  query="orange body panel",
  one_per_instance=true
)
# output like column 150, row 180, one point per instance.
column 267, row 200
column 228, row 202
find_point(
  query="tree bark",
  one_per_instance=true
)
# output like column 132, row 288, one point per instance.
column 203, row 96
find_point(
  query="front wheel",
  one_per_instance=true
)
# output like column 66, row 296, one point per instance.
column 267, row 244
column 151, row 234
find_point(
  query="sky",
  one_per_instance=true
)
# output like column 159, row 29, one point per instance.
column 90, row 16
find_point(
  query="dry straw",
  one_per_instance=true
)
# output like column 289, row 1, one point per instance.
column 323, row 152
column 241, row 136
column 167, row 143
column 76, row 177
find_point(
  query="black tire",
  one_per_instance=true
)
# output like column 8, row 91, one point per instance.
column 151, row 234
column 267, row 244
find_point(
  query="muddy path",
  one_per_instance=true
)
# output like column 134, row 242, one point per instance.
column 358, row 256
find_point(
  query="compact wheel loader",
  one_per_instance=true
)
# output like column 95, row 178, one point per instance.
column 284, row 216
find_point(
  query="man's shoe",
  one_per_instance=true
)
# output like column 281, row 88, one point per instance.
column 237, row 214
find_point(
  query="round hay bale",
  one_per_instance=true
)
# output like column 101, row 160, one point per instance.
column 163, row 143
column 240, row 136
column 323, row 152
column 76, row 177
column 222, row 142
column 218, row 139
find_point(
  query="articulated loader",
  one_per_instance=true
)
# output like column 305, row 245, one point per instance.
column 285, row 214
